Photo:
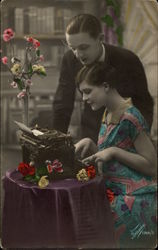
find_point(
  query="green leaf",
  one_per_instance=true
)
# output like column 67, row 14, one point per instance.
column 30, row 69
column 119, row 30
column 109, row 2
column 37, row 178
column 41, row 73
column 29, row 177
column 40, row 171
column 19, row 83
column 108, row 20
column 120, row 40
column 38, row 52
column 117, row 11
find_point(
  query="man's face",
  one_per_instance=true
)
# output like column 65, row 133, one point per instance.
column 85, row 48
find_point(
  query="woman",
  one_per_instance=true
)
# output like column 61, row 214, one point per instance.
column 124, row 154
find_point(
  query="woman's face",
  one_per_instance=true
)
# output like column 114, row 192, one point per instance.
column 95, row 96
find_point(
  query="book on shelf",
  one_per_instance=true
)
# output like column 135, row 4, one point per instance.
column 19, row 20
column 37, row 20
column 57, row 53
column 32, row 13
column 59, row 20
column 26, row 21
column 49, row 20
column 41, row 20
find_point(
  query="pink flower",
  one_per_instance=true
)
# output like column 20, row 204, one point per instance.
column 4, row 60
column 57, row 166
column 21, row 94
column 28, row 83
column 14, row 85
column 8, row 35
column 9, row 32
column 29, row 39
column 36, row 43
column 41, row 58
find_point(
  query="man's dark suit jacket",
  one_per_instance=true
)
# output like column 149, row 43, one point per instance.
column 132, row 83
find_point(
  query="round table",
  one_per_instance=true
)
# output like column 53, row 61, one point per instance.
column 67, row 213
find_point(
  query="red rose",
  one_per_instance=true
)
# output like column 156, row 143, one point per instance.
column 36, row 43
column 26, row 169
column 110, row 195
column 31, row 170
column 91, row 172
column 50, row 168
column 30, row 39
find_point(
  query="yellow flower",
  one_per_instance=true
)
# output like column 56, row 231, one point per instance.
column 16, row 69
column 42, row 69
column 43, row 182
column 82, row 175
column 38, row 68
column 35, row 68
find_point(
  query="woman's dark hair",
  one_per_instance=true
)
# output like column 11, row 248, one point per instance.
column 97, row 74
column 84, row 23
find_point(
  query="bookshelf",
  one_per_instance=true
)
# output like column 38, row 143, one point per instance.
column 46, row 21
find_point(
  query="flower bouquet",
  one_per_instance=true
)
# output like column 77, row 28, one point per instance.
column 40, row 175
column 22, row 72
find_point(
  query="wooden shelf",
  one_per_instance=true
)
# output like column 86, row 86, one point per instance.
column 40, row 3
column 42, row 36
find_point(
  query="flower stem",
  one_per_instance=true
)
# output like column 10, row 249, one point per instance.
column 26, row 109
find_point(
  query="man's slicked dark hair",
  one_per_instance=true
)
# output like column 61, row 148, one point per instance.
column 85, row 23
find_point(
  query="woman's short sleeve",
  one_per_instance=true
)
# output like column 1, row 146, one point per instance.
column 134, row 123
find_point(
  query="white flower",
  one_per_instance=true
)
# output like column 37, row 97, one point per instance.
column 22, row 94
column 14, row 85
column 28, row 82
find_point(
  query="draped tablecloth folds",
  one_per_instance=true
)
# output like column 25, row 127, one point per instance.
column 67, row 213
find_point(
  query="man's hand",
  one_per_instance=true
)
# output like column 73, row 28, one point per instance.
column 85, row 148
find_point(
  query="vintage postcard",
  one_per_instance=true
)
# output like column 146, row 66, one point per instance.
column 78, row 124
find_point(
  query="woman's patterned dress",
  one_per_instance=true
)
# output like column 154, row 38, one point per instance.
column 132, row 195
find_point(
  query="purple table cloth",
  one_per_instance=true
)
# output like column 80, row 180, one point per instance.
column 67, row 213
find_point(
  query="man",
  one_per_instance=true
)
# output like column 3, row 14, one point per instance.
column 84, row 39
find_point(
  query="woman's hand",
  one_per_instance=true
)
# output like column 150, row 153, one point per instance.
column 85, row 147
column 101, row 156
